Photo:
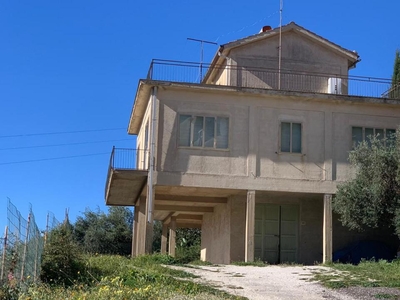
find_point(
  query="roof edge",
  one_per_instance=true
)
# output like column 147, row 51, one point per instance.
column 139, row 106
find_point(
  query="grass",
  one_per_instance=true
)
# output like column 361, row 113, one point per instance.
column 366, row 274
column 256, row 263
column 116, row 277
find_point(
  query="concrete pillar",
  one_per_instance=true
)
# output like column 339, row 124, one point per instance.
column 327, row 229
column 134, row 232
column 142, row 227
column 164, row 239
column 150, row 219
column 329, row 164
column 172, row 236
column 249, row 239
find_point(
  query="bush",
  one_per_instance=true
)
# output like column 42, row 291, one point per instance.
column 62, row 262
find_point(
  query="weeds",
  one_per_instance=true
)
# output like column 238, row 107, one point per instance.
column 117, row 277
column 366, row 274
column 256, row 263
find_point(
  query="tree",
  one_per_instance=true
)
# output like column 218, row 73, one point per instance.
column 97, row 232
column 395, row 89
column 372, row 198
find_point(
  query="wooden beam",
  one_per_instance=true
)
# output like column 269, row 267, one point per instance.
column 250, row 213
column 198, row 199
column 200, row 209
column 327, row 230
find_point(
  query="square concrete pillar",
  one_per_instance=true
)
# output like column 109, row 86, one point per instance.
column 134, row 232
column 141, row 227
column 327, row 229
column 172, row 236
column 249, row 235
column 164, row 239
column 149, row 218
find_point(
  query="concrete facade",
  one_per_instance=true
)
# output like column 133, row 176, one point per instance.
column 221, row 190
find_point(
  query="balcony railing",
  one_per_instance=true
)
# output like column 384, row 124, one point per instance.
column 127, row 159
column 251, row 77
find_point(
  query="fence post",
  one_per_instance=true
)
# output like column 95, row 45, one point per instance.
column 25, row 247
column 46, row 233
column 35, row 271
column 3, row 260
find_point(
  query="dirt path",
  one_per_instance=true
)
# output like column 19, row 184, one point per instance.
column 271, row 282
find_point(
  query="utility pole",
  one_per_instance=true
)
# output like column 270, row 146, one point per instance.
column 201, row 53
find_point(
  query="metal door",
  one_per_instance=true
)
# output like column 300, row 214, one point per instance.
column 276, row 233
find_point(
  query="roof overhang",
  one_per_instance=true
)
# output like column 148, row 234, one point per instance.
column 139, row 106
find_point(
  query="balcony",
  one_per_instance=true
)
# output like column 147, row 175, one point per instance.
column 251, row 77
column 126, row 177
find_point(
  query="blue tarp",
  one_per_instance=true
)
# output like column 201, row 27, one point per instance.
column 364, row 250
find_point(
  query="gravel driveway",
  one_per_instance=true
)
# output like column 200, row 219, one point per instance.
column 275, row 282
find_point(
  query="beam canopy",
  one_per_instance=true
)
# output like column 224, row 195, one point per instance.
column 182, row 208
column 198, row 199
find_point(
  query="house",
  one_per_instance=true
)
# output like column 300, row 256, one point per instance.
column 250, row 148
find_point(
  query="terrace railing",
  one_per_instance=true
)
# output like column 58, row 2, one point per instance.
column 127, row 159
column 254, row 77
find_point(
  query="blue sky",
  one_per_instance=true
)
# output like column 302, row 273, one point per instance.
column 68, row 66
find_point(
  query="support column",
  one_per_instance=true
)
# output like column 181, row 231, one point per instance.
column 164, row 239
column 134, row 231
column 327, row 229
column 142, row 225
column 149, row 219
column 250, row 211
column 172, row 236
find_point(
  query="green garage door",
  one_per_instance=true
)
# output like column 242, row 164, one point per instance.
column 276, row 233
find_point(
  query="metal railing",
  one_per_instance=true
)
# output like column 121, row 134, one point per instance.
column 127, row 159
column 263, row 78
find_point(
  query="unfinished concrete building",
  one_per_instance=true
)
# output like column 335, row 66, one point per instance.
column 250, row 148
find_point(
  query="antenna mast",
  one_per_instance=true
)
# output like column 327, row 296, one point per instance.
column 201, row 53
column 280, row 44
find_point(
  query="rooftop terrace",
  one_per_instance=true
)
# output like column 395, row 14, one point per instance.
column 250, row 77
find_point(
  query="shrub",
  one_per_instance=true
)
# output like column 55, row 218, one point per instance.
column 62, row 263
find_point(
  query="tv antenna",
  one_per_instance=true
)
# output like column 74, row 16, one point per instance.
column 280, row 44
column 202, row 42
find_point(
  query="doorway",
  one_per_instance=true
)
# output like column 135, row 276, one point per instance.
column 276, row 233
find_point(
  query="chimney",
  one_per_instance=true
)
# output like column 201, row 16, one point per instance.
column 265, row 28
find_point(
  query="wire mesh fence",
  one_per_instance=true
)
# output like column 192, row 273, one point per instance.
column 22, row 247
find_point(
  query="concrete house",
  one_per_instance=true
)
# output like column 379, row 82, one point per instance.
column 250, row 148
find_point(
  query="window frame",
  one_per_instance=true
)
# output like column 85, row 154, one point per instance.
column 291, row 137
column 191, row 131
column 364, row 136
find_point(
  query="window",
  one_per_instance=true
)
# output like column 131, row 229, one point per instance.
column 360, row 134
column 291, row 137
column 203, row 132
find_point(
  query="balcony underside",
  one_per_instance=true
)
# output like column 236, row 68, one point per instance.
column 188, row 204
column 125, row 186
